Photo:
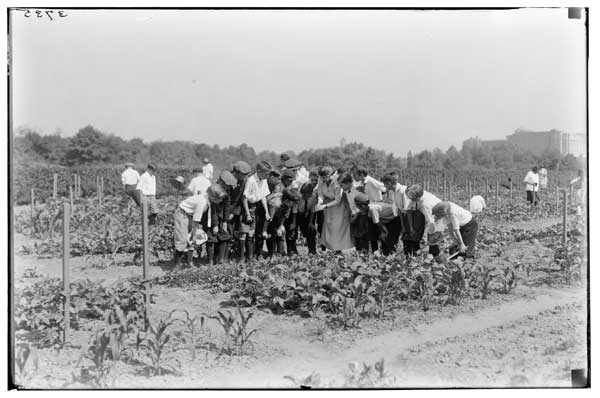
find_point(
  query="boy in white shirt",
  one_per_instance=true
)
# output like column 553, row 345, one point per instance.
column 130, row 178
column 147, row 191
column 207, row 169
column 254, row 203
column 532, row 182
column 462, row 224
column 199, row 184
column 373, row 188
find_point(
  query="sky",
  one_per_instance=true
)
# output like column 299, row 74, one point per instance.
column 396, row 80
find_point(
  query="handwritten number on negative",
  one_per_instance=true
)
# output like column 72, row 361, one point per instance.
column 40, row 13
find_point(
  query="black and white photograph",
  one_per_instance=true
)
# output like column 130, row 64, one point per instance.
column 297, row 197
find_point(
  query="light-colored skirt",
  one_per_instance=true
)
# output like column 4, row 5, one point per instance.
column 336, row 226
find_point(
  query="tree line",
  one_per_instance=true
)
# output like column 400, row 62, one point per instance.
column 92, row 147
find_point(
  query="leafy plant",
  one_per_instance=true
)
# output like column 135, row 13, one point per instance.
column 155, row 343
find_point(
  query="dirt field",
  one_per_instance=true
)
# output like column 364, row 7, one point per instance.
column 532, row 337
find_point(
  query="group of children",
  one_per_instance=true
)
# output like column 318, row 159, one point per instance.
column 242, row 212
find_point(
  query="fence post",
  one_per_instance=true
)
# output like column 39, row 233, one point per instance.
column 497, row 196
column 78, row 186
column 65, row 270
column 511, row 192
column 487, row 189
column 102, row 188
column 557, row 200
column 55, row 186
column 71, row 195
column 145, row 255
column 564, row 217
column 450, row 191
column 32, row 212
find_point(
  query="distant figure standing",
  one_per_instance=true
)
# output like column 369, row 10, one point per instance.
column 130, row 178
column 579, row 185
column 532, row 184
column 543, row 173
column 200, row 183
column 147, row 191
column 207, row 169
column 284, row 157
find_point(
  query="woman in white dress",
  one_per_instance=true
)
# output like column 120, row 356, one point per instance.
column 335, row 233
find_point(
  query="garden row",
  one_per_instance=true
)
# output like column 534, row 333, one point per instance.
column 41, row 178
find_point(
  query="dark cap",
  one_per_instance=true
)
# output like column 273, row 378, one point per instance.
column 152, row 166
column 293, row 163
column 275, row 173
column 284, row 157
column 263, row 166
column 287, row 173
column 307, row 188
column 197, row 170
column 242, row 167
column 228, row 178
column 361, row 199
column 205, row 160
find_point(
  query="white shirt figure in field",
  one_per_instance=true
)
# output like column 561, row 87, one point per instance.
column 130, row 176
column 543, row 173
column 256, row 189
column 207, row 169
column 147, row 183
column 578, row 184
column 199, row 184
column 373, row 187
column 463, row 226
column 532, row 185
column 477, row 204
column 147, row 189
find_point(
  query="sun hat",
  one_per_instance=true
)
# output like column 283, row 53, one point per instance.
column 177, row 182
column 205, row 160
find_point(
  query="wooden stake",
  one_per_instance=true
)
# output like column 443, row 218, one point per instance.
column 65, row 270
column 145, row 255
column 487, row 189
column 497, row 197
column 55, row 186
column 511, row 192
column 557, row 200
column 564, row 217
column 32, row 212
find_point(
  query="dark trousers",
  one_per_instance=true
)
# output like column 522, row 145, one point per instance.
column 307, row 232
column 260, row 220
column 468, row 232
column 394, row 227
column 133, row 194
column 411, row 240
column 291, row 236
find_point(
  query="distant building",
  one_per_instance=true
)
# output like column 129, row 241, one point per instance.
column 538, row 142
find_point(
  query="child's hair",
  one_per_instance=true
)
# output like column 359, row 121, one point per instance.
column 275, row 173
column 362, row 172
column 313, row 173
column 325, row 171
column 415, row 190
column 390, row 178
column 441, row 209
column 361, row 199
column 290, row 194
column 346, row 178
column 307, row 189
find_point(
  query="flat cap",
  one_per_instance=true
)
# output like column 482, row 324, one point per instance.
column 293, row 163
column 263, row 166
column 152, row 166
column 242, row 167
column 228, row 178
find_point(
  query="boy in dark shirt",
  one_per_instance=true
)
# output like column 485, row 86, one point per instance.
column 306, row 219
column 276, row 229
